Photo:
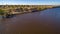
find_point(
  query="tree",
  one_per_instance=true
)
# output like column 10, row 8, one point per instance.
column 2, row 13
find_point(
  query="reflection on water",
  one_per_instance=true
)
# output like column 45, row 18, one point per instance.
column 43, row 22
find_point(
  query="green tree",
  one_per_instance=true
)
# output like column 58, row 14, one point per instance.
column 1, row 12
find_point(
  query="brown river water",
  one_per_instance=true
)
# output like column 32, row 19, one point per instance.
column 44, row 22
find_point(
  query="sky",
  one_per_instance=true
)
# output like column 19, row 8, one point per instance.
column 30, row 2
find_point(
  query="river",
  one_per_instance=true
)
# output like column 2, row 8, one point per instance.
column 43, row 22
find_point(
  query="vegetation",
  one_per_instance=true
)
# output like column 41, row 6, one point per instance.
column 23, row 8
column 2, row 12
column 9, row 10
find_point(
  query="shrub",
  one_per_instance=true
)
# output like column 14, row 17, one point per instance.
column 1, row 12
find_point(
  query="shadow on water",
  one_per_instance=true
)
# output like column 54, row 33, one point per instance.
column 4, row 19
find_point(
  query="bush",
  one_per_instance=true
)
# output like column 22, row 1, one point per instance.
column 1, row 12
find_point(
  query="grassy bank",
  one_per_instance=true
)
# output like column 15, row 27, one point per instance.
column 23, row 8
